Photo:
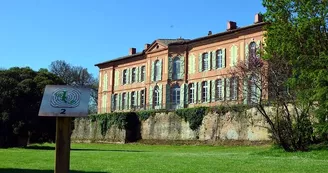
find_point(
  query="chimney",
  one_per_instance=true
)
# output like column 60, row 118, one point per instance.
column 258, row 18
column 132, row 51
column 146, row 46
column 209, row 33
column 231, row 25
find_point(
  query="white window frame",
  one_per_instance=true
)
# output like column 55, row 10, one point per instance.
column 176, row 68
column 192, row 92
column 175, row 92
column 124, row 99
column 218, row 85
column 205, row 56
column 142, row 98
column 143, row 73
column 134, row 75
column 157, row 69
column 219, row 58
column 234, row 88
column 156, row 96
column 115, row 102
column 125, row 76
column 204, row 91
column 252, row 50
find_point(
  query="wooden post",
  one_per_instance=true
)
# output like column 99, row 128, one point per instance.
column 63, row 144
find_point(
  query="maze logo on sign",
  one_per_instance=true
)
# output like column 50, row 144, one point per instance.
column 65, row 98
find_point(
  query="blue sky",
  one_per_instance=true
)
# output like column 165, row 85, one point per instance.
column 85, row 32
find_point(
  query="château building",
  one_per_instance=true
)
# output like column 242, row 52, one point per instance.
column 180, row 73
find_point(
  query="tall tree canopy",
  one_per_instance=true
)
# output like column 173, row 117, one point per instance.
column 77, row 76
column 297, row 34
column 21, row 91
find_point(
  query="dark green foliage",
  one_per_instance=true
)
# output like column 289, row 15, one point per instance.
column 192, row 115
column 107, row 120
column 144, row 115
column 21, row 91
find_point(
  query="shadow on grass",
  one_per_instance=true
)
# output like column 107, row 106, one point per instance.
column 14, row 170
column 81, row 149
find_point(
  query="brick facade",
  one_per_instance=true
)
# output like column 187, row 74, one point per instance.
column 122, row 87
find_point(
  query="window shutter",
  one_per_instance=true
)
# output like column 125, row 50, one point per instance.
column 208, row 99
column 182, row 95
column 168, row 94
column 227, row 88
column 214, row 65
column 130, row 75
column 246, row 54
column 223, row 89
column 152, row 75
column 182, row 69
column 231, row 56
column 151, row 97
column 170, row 68
column 105, row 82
column 223, row 58
column 213, row 90
column 258, row 48
column 186, row 94
column 245, row 91
column 137, row 74
column 160, row 69
column 160, row 87
column 200, row 63
column 189, row 64
column 112, row 103
column 120, row 101
column 115, row 78
column 209, row 62
column 126, row 102
column 193, row 64
column 200, row 92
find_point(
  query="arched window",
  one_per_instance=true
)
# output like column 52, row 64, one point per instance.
column 219, row 87
column 175, row 92
column 219, row 62
column 134, row 75
column 204, row 91
column 205, row 61
column 192, row 91
column 156, row 96
column 252, row 50
column 125, row 76
column 176, row 68
column 157, row 70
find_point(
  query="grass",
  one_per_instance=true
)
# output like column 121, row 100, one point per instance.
column 134, row 158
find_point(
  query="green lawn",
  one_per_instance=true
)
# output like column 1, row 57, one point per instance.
column 114, row 158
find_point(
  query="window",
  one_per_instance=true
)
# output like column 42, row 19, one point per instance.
column 252, row 50
column 142, row 98
column 205, row 61
column 219, row 57
column 115, row 102
column 157, row 70
column 176, row 68
column 133, row 99
column 125, row 76
column 143, row 73
column 134, row 75
column 234, row 88
column 175, row 92
column 124, row 101
column 192, row 92
column 156, row 96
column 204, row 91
column 253, row 89
column 219, row 94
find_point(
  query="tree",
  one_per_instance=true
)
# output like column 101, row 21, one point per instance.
column 297, row 34
column 21, row 91
column 77, row 76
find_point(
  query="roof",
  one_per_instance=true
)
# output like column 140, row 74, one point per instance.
column 178, row 41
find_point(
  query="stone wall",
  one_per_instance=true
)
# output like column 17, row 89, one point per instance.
column 247, row 125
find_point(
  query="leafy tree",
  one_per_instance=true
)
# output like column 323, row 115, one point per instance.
column 77, row 76
column 21, row 91
column 297, row 34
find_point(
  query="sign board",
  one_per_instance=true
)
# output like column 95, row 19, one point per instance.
column 65, row 101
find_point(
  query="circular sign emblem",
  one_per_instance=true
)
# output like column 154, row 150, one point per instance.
column 65, row 98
